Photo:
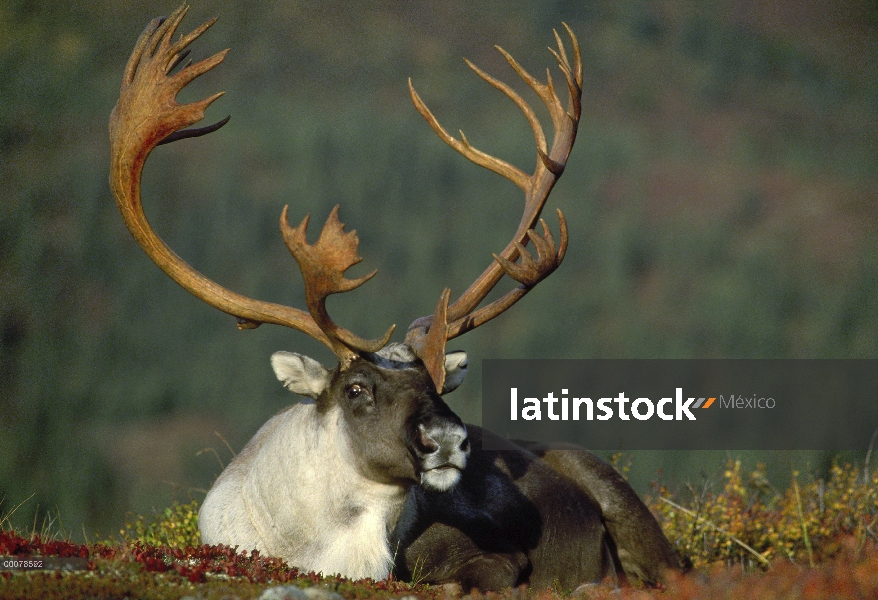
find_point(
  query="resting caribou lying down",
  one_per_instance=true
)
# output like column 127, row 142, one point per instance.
column 376, row 474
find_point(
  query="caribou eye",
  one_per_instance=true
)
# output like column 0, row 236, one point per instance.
column 359, row 396
column 355, row 391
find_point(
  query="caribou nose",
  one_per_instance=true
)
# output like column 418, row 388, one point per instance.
column 444, row 443
column 427, row 443
column 444, row 450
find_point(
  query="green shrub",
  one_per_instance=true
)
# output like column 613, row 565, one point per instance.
column 176, row 527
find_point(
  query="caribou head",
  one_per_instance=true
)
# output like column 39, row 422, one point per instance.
column 399, row 428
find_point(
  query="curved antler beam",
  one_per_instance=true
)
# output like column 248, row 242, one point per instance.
column 462, row 315
column 147, row 115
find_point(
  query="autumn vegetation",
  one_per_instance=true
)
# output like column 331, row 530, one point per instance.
column 745, row 539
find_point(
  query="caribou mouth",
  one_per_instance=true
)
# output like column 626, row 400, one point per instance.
column 440, row 479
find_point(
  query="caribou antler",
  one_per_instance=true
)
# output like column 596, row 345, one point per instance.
column 323, row 265
column 146, row 115
column 428, row 335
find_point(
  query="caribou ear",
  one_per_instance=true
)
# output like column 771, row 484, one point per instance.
column 300, row 374
column 455, row 370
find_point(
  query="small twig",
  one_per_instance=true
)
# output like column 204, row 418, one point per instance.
column 12, row 512
column 215, row 453
column 710, row 524
column 210, row 449
column 217, row 434
column 700, row 504
column 867, row 527
column 33, row 531
column 802, row 521
column 866, row 474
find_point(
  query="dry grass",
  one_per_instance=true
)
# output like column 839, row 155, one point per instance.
column 815, row 540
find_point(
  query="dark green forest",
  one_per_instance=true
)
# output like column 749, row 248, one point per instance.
column 722, row 202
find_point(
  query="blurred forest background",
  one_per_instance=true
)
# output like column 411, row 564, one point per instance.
column 722, row 200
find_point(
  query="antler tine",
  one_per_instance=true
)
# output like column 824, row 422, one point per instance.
column 462, row 316
column 146, row 115
column 501, row 167
column 431, row 346
column 323, row 265
column 575, row 81
column 524, row 107
column 529, row 273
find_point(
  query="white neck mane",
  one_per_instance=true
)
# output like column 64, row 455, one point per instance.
column 310, row 505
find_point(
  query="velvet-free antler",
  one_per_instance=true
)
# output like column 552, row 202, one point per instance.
column 146, row 115
column 463, row 315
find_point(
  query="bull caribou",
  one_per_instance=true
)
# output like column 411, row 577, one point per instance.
column 374, row 474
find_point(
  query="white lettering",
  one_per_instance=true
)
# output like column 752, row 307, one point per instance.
column 531, row 410
column 608, row 412
column 661, row 412
column 621, row 400
column 550, row 401
column 683, row 408
column 513, row 405
column 588, row 405
column 650, row 409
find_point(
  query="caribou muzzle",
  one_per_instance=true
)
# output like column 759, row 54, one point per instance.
column 442, row 449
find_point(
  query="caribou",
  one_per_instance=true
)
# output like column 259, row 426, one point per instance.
column 372, row 474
